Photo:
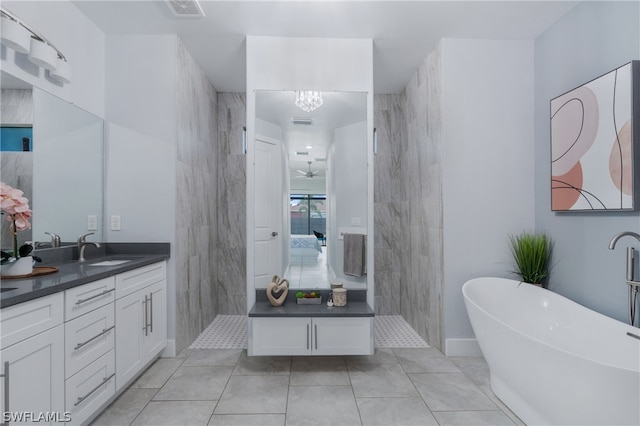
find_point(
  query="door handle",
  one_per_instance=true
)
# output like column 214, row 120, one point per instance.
column 274, row 234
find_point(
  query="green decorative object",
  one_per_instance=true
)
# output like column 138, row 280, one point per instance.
column 532, row 256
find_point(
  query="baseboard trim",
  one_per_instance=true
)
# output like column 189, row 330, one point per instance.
column 462, row 347
column 169, row 350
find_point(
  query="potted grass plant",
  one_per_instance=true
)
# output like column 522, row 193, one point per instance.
column 532, row 256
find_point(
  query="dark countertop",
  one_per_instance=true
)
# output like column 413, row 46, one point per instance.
column 73, row 273
column 356, row 306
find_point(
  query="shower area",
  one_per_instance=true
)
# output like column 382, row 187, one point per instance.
column 407, row 220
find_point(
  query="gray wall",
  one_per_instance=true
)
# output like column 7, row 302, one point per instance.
column 389, row 194
column 408, row 202
column 196, row 214
column 592, row 39
column 232, row 206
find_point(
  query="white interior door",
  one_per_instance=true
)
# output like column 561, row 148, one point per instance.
column 267, row 211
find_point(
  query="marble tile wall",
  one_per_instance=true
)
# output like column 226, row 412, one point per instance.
column 16, row 106
column 232, row 185
column 408, row 203
column 390, row 216
column 196, row 250
column 421, row 298
column 16, row 170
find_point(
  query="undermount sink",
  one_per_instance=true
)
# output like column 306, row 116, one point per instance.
column 109, row 263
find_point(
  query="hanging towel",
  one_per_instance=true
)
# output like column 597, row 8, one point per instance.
column 354, row 254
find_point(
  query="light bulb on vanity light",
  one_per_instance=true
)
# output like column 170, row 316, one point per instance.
column 15, row 36
column 42, row 54
column 62, row 72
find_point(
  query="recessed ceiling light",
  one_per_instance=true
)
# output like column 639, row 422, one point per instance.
column 308, row 147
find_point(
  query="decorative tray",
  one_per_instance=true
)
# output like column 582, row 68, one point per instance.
column 37, row 271
column 309, row 300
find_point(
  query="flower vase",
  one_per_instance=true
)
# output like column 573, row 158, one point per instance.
column 21, row 266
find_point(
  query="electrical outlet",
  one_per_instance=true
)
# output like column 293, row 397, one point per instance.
column 355, row 221
column 115, row 223
column 92, row 222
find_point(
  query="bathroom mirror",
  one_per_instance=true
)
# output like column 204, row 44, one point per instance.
column 62, row 173
column 324, row 189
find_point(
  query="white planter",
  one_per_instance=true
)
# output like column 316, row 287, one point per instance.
column 22, row 266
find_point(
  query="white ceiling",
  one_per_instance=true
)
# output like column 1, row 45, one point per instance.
column 403, row 32
column 338, row 110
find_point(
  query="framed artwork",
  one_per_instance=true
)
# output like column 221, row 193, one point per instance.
column 595, row 144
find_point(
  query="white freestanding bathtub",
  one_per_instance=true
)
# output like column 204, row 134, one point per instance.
column 553, row 361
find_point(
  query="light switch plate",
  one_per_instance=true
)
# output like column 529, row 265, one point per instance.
column 92, row 222
column 115, row 223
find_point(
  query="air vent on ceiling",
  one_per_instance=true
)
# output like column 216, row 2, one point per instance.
column 302, row 152
column 302, row 120
column 321, row 159
column 186, row 8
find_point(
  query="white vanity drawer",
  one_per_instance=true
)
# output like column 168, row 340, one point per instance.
column 136, row 279
column 27, row 319
column 88, row 337
column 85, row 298
column 90, row 388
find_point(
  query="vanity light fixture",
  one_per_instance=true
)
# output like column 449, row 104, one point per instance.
column 15, row 36
column 62, row 73
column 42, row 54
column 308, row 100
column 20, row 37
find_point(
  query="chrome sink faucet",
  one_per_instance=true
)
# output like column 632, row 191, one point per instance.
column 82, row 244
column 633, row 285
column 55, row 239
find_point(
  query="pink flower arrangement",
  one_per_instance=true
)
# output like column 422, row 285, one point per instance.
column 16, row 208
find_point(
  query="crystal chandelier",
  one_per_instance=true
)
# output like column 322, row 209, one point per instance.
column 308, row 100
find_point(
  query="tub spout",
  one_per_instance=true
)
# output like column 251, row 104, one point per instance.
column 614, row 240
column 633, row 285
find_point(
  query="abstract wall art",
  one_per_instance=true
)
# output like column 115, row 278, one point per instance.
column 595, row 144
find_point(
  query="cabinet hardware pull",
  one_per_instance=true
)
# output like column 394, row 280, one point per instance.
column 6, row 389
column 103, row 332
column 80, row 399
column 315, row 333
column 151, row 312
column 95, row 296
column 146, row 322
column 307, row 336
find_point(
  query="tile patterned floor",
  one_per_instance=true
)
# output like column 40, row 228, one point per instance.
column 230, row 332
column 395, row 386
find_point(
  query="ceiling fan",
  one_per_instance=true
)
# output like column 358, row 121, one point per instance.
column 309, row 174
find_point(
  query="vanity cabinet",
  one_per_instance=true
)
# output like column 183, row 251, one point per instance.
column 32, row 358
column 63, row 354
column 311, row 335
column 140, row 311
column 89, row 359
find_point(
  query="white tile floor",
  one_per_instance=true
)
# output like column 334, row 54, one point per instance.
column 309, row 271
column 395, row 386
column 405, row 382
